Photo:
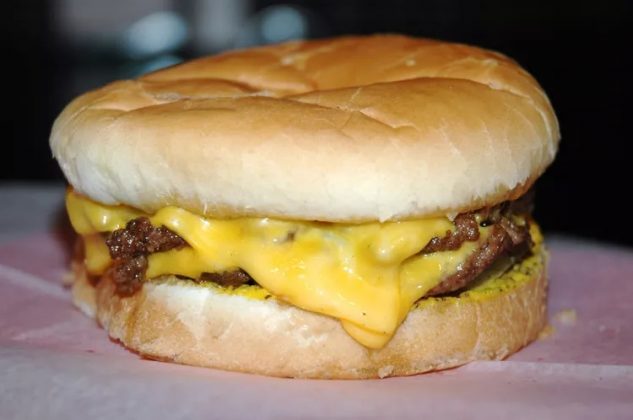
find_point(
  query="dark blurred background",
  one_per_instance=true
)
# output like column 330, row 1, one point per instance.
column 580, row 51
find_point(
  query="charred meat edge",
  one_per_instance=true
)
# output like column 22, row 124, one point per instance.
column 129, row 248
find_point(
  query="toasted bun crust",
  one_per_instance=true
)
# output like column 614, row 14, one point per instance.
column 345, row 129
column 186, row 323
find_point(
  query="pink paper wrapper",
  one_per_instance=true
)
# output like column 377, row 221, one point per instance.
column 56, row 363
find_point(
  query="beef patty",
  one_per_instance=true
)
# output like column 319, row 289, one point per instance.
column 130, row 246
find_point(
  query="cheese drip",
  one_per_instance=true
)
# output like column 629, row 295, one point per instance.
column 366, row 275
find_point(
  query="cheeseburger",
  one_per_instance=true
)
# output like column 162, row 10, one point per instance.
column 354, row 207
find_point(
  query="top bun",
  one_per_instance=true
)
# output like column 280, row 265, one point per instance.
column 345, row 129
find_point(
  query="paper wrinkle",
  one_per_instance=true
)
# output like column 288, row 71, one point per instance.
column 33, row 283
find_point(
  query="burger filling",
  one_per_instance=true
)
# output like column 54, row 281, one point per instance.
column 367, row 275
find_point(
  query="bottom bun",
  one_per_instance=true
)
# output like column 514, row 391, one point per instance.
column 203, row 325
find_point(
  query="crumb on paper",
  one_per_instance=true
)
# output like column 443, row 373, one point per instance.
column 385, row 371
column 611, row 330
column 547, row 332
column 566, row 317
column 68, row 279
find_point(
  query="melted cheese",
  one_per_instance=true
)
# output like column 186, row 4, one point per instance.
column 97, row 254
column 367, row 275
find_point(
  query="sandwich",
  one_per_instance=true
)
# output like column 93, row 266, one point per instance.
column 354, row 207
